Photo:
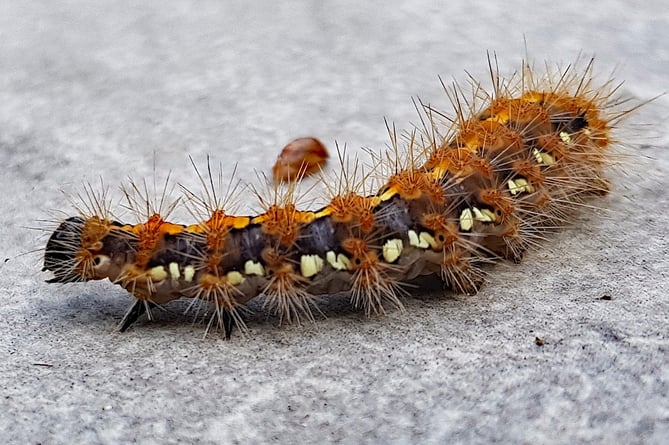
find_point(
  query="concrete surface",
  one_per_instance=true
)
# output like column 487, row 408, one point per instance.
column 102, row 89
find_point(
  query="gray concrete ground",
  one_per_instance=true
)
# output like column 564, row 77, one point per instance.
column 108, row 89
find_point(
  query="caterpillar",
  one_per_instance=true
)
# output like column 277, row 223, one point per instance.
column 512, row 165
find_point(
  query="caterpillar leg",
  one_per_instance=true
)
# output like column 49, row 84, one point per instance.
column 138, row 309
column 228, row 323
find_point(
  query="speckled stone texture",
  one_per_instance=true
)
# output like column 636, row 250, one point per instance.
column 114, row 89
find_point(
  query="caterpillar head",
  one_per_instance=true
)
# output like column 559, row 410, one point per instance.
column 60, row 256
column 74, row 250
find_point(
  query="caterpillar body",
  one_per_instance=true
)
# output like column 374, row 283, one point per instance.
column 462, row 192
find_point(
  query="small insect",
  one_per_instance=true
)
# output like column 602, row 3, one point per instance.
column 509, row 167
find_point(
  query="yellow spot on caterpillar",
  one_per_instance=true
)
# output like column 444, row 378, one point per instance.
column 537, row 156
column 513, row 188
column 439, row 171
column 189, row 273
column 413, row 238
column 331, row 258
column 543, row 158
column 235, row 278
column 502, row 118
column 158, row 273
column 175, row 273
column 327, row 211
column 416, row 241
column 428, row 239
column 466, row 220
column 338, row 262
column 547, row 159
column 389, row 193
column 392, row 250
column 483, row 215
column 524, row 186
column 489, row 213
column 566, row 137
column 310, row 265
column 240, row 222
column 253, row 268
column 343, row 259
column 520, row 185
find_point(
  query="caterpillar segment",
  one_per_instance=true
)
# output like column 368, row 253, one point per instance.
column 493, row 187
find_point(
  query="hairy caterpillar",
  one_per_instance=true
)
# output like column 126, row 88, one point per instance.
column 462, row 192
